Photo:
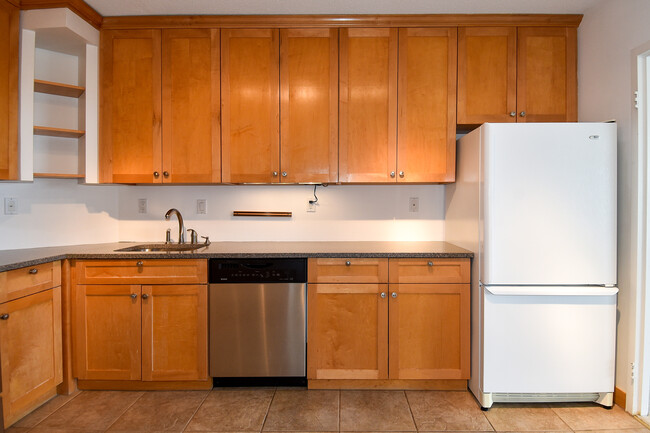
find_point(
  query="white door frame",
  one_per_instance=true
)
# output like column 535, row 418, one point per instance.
column 638, row 396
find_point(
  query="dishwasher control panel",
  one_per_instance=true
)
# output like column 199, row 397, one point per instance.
column 273, row 270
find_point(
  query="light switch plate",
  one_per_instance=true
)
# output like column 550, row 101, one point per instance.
column 11, row 207
column 201, row 206
column 142, row 205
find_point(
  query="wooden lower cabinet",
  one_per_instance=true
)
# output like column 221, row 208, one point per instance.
column 148, row 333
column 386, row 335
column 30, row 349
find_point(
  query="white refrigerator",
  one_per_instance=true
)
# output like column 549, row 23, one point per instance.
column 536, row 203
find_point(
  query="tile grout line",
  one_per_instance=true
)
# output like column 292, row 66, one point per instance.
column 408, row 403
column 268, row 408
column 207, row 394
column 124, row 411
column 57, row 409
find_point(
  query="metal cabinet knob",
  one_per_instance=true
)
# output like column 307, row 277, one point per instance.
column 4, row 316
column 392, row 174
column 284, row 174
column 275, row 173
column 394, row 294
column 522, row 114
column 134, row 295
column 383, row 295
column 430, row 263
column 145, row 296
column 139, row 263
column 348, row 263
column 401, row 174
column 33, row 271
column 166, row 173
column 156, row 174
column 513, row 114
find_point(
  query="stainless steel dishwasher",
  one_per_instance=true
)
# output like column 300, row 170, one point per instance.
column 257, row 310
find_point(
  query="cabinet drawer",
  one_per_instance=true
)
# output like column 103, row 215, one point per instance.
column 429, row 270
column 152, row 271
column 351, row 270
column 31, row 279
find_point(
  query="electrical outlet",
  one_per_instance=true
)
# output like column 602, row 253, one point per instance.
column 142, row 205
column 11, row 207
column 201, row 206
column 414, row 204
column 311, row 206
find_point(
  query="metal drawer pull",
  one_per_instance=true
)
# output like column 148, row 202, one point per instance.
column 4, row 316
column 134, row 295
column 430, row 263
column 139, row 263
column 145, row 296
column 33, row 271
column 348, row 263
column 383, row 295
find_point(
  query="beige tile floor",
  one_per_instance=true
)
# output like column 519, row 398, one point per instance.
column 300, row 410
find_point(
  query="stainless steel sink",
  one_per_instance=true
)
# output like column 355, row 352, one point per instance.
column 162, row 248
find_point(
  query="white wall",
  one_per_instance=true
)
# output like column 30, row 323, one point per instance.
column 609, row 32
column 55, row 212
column 344, row 212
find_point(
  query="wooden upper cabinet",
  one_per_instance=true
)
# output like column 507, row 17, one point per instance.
column 368, row 104
column 130, row 148
column 309, row 105
column 250, row 105
column 547, row 74
column 9, row 35
column 487, row 75
column 426, row 144
column 190, row 98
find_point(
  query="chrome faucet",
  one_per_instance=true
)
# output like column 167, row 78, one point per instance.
column 181, row 226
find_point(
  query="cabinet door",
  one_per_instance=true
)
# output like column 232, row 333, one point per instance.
column 107, row 332
column 30, row 342
column 487, row 75
column 426, row 146
column 174, row 332
column 309, row 92
column 429, row 331
column 368, row 105
column 347, row 331
column 9, row 34
column 250, row 105
column 130, row 149
column 547, row 74
column 191, row 104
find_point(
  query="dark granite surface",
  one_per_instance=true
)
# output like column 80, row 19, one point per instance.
column 13, row 259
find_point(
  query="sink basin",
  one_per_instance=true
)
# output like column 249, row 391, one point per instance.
column 162, row 248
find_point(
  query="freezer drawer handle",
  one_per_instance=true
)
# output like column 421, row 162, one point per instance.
column 551, row 291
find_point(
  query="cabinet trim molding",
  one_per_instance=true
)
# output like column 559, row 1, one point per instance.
column 296, row 21
column 80, row 7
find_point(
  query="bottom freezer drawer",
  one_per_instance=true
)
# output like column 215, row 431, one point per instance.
column 556, row 341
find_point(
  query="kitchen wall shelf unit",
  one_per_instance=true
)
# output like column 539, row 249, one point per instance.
column 177, row 73
column 140, row 323
column 517, row 74
column 370, row 323
column 9, row 36
column 59, row 109
column 30, row 338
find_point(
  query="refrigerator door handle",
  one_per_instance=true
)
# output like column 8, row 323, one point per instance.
column 551, row 291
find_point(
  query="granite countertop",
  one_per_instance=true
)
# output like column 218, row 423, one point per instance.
column 13, row 259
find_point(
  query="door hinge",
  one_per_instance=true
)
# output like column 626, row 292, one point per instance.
column 636, row 99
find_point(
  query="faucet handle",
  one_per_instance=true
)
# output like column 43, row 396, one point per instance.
column 168, row 236
column 207, row 240
column 193, row 236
